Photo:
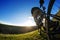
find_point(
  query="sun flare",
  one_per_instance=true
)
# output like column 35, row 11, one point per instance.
column 27, row 23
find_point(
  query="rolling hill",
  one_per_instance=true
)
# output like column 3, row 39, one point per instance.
column 10, row 29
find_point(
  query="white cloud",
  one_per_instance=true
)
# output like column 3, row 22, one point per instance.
column 2, row 22
column 30, row 17
column 29, row 22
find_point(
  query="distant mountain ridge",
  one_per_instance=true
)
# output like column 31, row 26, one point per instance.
column 9, row 29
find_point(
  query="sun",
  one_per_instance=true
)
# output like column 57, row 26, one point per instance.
column 29, row 23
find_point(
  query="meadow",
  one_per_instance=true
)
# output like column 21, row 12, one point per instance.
column 27, row 36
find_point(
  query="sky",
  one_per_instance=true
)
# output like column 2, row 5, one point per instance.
column 18, row 12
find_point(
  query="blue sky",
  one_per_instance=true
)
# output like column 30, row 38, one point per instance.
column 19, row 11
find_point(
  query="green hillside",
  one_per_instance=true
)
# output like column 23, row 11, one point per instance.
column 10, row 29
column 27, row 36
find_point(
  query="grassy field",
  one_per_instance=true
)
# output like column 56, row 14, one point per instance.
column 27, row 36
